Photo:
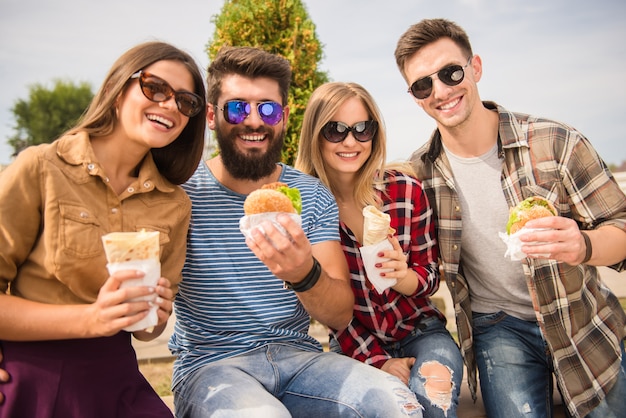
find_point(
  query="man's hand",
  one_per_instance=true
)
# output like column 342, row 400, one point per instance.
column 561, row 240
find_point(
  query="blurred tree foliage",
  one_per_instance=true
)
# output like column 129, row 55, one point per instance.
column 47, row 113
column 281, row 27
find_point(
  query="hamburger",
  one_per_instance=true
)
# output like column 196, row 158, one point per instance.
column 531, row 208
column 273, row 197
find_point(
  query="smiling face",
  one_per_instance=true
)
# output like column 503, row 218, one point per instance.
column 344, row 159
column 250, row 149
column 450, row 106
column 148, row 124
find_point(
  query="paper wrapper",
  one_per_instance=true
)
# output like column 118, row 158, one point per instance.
column 514, row 245
column 135, row 251
column 250, row 222
column 370, row 258
column 375, row 231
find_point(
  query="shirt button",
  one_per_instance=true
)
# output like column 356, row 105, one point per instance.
column 146, row 185
column 114, row 211
column 455, row 247
column 131, row 189
column 91, row 167
column 84, row 215
column 457, row 208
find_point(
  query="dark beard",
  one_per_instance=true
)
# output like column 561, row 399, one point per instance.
column 253, row 166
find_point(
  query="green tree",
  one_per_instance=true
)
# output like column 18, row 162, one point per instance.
column 47, row 113
column 281, row 27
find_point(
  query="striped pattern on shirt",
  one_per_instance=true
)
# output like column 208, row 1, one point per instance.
column 229, row 302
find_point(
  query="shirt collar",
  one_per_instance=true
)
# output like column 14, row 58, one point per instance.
column 75, row 149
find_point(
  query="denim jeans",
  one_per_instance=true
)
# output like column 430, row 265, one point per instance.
column 431, row 342
column 278, row 380
column 515, row 369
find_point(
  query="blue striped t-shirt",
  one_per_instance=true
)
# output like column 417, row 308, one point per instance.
column 229, row 302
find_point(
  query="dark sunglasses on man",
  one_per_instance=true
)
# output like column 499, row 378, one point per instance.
column 451, row 75
column 158, row 90
column 338, row 131
column 236, row 111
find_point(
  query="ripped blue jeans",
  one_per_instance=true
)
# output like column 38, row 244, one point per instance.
column 278, row 381
column 431, row 344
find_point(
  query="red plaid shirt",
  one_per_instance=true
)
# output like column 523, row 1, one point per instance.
column 380, row 319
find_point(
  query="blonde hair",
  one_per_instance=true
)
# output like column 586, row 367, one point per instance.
column 323, row 104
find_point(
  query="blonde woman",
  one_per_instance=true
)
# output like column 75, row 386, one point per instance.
column 399, row 330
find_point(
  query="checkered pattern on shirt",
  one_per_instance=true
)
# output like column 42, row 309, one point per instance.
column 389, row 317
column 580, row 318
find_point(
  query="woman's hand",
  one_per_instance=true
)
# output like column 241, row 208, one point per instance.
column 406, row 277
column 164, row 300
column 113, row 310
column 399, row 367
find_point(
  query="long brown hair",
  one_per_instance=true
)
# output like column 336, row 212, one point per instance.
column 176, row 161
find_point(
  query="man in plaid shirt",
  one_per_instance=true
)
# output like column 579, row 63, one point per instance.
column 519, row 322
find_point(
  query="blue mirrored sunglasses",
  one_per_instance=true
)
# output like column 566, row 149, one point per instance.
column 236, row 111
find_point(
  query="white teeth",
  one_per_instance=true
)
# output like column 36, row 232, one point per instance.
column 347, row 154
column 255, row 138
column 450, row 105
column 161, row 120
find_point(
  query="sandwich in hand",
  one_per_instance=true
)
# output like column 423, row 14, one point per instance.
column 528, row 209
column 273, row 197
column 375, row 225
column 376, row 228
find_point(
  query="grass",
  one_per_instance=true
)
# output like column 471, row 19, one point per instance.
column 159, row 375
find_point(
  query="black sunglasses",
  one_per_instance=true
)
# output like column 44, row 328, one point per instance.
column 338, row 131
column 236, row 111
column 451, row 75
column 158, row 90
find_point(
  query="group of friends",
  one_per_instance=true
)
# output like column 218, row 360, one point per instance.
column 240, row 339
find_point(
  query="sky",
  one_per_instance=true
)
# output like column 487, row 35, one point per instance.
column 562, row 59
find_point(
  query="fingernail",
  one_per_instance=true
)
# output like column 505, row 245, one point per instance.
column 159, row 300
column 380, row 254
column 378, row 265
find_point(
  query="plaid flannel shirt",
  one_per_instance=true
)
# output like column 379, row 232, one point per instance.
column 380, row 319
column 581, row 320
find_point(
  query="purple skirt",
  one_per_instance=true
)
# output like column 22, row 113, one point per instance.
column 96, row 377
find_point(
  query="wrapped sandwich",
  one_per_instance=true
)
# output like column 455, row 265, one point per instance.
column 528, row 209
column 531, row 208
column 376, row 229
column 266, row 203
column 136, row 251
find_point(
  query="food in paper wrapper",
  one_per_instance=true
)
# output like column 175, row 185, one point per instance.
column 531, row 208
column 375, row 225
column 376, row 228
column 266, row 203
column 135, row 251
